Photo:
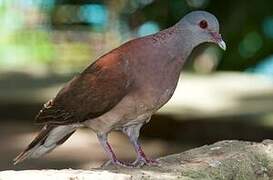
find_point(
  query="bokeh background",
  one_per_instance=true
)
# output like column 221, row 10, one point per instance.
column 221, row 95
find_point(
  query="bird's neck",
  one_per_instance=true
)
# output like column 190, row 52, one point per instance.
column 179, row 43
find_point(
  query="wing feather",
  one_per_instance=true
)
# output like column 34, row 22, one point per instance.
column 90, row 94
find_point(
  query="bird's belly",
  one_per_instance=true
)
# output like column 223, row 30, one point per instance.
column 130, row 111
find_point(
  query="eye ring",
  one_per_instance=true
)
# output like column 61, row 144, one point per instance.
column 203, row 24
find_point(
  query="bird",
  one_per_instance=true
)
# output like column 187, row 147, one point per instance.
column 122, row 89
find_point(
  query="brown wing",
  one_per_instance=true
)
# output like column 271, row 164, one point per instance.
column 92, row 93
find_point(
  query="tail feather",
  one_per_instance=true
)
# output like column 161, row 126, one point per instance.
column 47, row 140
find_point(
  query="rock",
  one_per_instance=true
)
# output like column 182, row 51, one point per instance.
column 223, row 160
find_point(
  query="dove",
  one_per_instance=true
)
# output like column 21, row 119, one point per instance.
column 122, row 89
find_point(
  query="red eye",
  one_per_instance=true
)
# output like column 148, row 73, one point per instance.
column 203, row 24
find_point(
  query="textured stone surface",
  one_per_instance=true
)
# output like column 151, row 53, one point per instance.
column 222, row 160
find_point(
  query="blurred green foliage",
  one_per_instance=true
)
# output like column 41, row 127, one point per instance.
column 66, row 35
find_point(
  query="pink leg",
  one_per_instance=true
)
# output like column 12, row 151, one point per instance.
column 141, row 157
column 110, row 153
column 133, row 133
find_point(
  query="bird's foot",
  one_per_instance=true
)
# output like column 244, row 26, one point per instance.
column 115, row 163
column 142, row 161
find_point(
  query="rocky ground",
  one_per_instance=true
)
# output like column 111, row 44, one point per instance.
column 225, row 160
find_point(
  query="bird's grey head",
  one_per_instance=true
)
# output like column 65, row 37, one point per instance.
column 203, row 27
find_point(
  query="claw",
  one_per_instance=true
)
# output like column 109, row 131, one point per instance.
column 139, row 162
column 116, row 163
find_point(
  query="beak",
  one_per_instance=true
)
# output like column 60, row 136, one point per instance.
column 216, row 37
column 222, row 44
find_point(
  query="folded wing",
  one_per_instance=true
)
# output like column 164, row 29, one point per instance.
column 90, row 94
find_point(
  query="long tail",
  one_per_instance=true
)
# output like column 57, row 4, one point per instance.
column 47, row 140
